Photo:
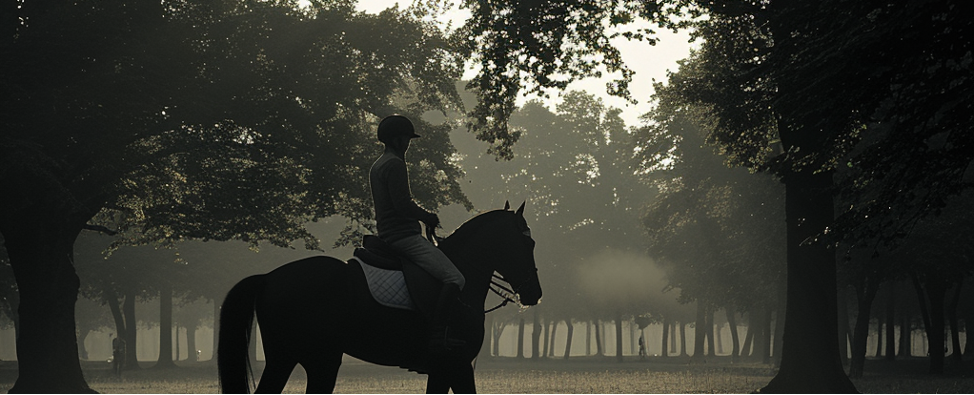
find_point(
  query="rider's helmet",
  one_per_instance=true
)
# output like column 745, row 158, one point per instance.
column 395, row 126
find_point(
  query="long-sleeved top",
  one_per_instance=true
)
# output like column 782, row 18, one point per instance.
column 396, row 214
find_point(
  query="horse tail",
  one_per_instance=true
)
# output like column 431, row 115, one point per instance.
column 236, row 324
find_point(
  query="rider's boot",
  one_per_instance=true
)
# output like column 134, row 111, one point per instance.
column 443, row 337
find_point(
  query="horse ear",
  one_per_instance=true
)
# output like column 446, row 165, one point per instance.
column 520, row 210
column 507, row 205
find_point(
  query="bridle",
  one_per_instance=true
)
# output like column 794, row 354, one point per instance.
column 509, row 295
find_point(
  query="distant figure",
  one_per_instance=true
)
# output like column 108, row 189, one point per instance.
column 118, row 356
column 397, row 219
column 642, row 348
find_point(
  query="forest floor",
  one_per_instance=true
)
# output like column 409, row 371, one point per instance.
column 510, row 375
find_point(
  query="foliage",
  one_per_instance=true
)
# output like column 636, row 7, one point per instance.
column 714, row 229
column 537, row 45
column 245, row 120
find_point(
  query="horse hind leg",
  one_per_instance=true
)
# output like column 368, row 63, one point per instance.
column 322, row 372
column 275, row 376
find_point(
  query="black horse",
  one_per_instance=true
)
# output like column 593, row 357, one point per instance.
column 313, row 310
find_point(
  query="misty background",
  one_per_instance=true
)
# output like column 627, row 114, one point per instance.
column 643, row 229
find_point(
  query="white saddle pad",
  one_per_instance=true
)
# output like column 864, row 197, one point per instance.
column 388, row 287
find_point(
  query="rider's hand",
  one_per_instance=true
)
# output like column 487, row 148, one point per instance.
column 431, row 221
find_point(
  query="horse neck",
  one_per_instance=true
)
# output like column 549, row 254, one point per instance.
column 467, row 253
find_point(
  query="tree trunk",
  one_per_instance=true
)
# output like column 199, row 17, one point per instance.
column 760, row 328
column 672, row 336
column 498, row 332
column 551, row 340
column 547, row 339
column 131, row 332
column 536, row 336
column 699, row 333
column 216, row 328
column 716, row 334
column 956, row 356
column 570, row 336
column 683, row 340
column 165, row 326
column 520, row 339
column 933, row 290
column 711, row 349
column 735, row 337
column 906, row 330
column 810, row 351
column 844, row 332
column 193, row 356
column 746, row 349
column 111, row 299
column 619, row 337
column 663, row 350
column 890, row 324
column 40, row 248
column 588, row 338
column 598, row 339
column 779, row 327
column 865, row 293
column 766, row 337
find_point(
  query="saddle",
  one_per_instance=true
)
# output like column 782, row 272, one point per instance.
column 395, row 281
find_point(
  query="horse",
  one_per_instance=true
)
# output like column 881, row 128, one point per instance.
column 313, row 310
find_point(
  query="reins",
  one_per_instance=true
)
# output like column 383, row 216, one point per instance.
column 504, row 292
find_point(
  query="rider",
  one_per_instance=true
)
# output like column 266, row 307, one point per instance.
column 397, row 222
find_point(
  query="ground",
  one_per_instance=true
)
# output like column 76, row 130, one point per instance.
column 510, row 375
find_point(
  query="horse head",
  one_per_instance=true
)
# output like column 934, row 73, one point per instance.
column 516, row 264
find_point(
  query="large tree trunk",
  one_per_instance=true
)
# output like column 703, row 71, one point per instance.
column 40, row 248
column 810, row 351
column 165, row 326
column 865, row 293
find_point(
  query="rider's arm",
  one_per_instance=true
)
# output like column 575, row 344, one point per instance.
column 398, row 186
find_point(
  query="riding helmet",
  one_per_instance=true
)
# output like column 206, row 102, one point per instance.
column 395, row 126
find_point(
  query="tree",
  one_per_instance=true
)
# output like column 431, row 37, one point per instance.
column 224, row 120
column 788, row 100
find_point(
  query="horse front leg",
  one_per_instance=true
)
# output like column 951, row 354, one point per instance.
column 463, row 381
column 459, row 377
column 437, row 383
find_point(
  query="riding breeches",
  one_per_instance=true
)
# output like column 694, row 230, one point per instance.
column 424, row 254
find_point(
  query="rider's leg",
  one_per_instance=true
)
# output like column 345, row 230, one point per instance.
column 427, row 256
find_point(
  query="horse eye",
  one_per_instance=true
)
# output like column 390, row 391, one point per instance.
column 527, row 233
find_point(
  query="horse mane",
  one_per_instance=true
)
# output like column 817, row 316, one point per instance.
column 474, row 224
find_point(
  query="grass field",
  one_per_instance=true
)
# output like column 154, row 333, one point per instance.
column 508, row 375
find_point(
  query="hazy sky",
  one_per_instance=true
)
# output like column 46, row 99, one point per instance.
column 649, row 62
